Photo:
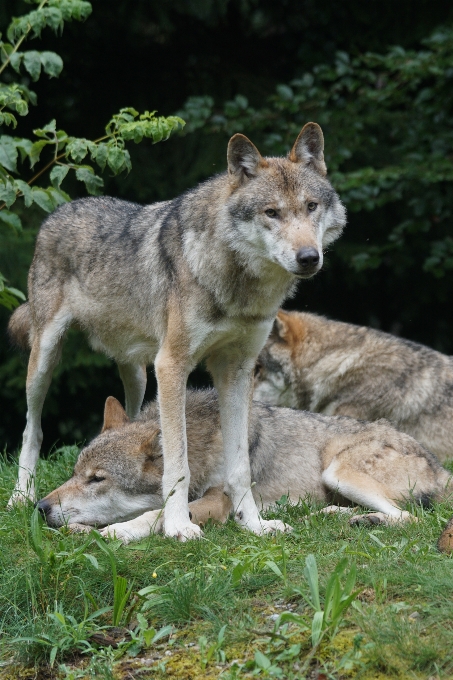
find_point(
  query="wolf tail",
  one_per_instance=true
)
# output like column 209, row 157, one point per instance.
column 20, row 327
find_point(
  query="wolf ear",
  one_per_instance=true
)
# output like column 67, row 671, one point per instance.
column 280, row 327
column 114, row 415
column 309, row 148
column 244, row 160
column 148, row 446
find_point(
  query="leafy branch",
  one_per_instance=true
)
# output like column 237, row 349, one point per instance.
column 68, row 153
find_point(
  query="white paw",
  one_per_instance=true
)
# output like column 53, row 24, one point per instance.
column 382, row 518
column 183, row 532
column 21, row 497
column 121, row 532
column 272, row 525
column 263, row 526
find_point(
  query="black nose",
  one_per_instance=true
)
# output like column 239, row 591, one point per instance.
column 44, row 508
column 307, row 258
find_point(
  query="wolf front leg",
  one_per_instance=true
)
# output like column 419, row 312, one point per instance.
column 171, row 374
column 233, row 378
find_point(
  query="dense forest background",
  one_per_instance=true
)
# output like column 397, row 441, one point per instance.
column 377, row 76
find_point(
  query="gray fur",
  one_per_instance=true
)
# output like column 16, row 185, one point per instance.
column 291, row 453
column 198, row 277
column 310, row 362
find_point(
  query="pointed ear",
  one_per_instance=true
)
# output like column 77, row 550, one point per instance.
column 114, row 415
column 244, row 160
column 148, row 445
column 280, row 327
column 309, row 148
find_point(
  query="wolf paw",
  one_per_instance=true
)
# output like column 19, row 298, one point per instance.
column 120, row 532
column 20, row 498
column 370, row 518
column 185, row 532
column 270, row 526
column 381, row 518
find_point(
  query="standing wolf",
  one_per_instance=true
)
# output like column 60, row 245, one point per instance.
column 198, row 277
column 313, row 363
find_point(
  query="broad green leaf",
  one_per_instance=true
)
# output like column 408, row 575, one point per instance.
column 77, row 149
column 8, row 193
column 53, row 655
column 115, row 159
column 26, row 191
column 32, row 64
column 261, row 660
column 7, row 119
column 316, row 627
column 43, row 199
column 92, row 182
column 48, row 131
column 35, row 151
column 163, row 632
column 271, row 564
column 11, row 219
column 58, row 196
column 52, row 63
column 24, row 146
column 58, row 174
column 100, row 155
column 311, row 574
column 16, row 60
column 91, row 558
column 8, row 153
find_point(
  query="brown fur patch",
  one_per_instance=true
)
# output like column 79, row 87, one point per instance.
column 291, row 329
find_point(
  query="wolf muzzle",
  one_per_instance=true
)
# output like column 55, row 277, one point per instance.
column 308, row 261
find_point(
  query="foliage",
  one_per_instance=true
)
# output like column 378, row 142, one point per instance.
column 63, row 153
column 389, row 122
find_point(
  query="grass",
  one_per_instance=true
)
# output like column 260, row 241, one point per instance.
column 327, row 601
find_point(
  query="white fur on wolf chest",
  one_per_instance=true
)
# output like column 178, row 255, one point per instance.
column 206, row 336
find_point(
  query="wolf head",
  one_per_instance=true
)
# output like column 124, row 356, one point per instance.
column 275, row 372
column 284, row 209
column 116, row 477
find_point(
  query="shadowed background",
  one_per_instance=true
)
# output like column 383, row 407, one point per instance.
column 225, row 64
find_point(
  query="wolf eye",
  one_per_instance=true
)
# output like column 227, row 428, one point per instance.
column 312, row 206
column 270, row 212
column 96, row 478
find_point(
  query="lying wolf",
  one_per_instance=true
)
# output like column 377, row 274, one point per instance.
column 117, row 479
column 334, row 368
column 198, row 277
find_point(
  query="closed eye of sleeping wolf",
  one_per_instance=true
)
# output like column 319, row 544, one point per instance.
column 310, row 362
column 198, row 277
column 117, row 479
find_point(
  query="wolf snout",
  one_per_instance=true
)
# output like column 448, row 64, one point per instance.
column 44, row 508
column 308, row 260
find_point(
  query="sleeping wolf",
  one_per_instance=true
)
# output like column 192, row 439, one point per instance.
column 119, row 475
column 201, row 276
column 334, row 368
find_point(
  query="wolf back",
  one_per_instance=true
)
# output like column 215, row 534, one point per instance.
column 310, row 362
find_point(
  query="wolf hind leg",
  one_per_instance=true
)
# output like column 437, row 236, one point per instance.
column 361, row 488
column 44, row 356
column 133, row 377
